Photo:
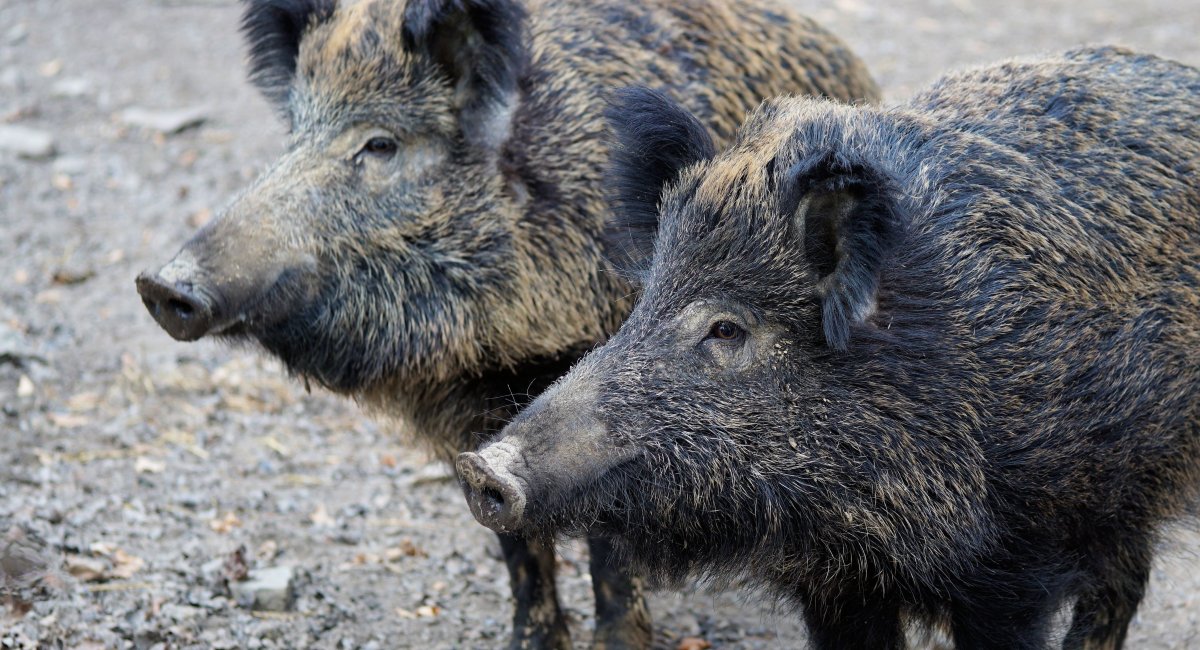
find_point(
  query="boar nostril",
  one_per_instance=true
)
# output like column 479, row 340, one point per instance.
column 496, row 498
column 181, row 309
column 176, row 306
column 493, row 495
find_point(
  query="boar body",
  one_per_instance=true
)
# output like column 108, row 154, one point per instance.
column 938, row 363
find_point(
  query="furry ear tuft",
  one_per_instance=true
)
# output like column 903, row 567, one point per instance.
column 653, row 140
column 480, row 46
column 273, row 29
column 848, row 220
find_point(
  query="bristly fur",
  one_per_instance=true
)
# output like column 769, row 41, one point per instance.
column 273, row 29
column 1003, row 414
column 653, row 139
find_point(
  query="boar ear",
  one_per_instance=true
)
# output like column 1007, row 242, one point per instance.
column 273, row 29
column 479, row 45
column 848, row 220
column 653, row 139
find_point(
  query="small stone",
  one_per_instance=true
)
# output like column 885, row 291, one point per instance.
column 164, row 121
column 15, row 348
column 11, row 79
column 71, row 87
column 17, row 33
column 687, row 625
column 23, row 557
column 189, row 500
column 51, row 68
column 25, row 387
column 180, row 613
column 266, row 589
column 70, row 165
column 26, row 142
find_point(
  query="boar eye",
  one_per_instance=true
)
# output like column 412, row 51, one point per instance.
column 724, row 330
column 381, row 146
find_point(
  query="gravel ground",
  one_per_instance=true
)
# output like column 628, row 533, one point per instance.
column 151, row 476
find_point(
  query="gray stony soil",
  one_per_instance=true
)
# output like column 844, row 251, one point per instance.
column 140, row 478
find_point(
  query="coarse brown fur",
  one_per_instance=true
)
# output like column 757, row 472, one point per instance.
column 431, row 241
column 937, row 363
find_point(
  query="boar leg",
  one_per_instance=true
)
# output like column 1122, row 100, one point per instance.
column 853, row 620
column 1103, row 612
column 622, row 618
column 1006, row 618
column 538, row 622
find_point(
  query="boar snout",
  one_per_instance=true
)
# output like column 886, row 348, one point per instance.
column 497, row 497
column 559, row 444
column 236, row 271
column 175, row 302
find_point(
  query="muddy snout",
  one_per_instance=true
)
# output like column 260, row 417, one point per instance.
column 497, row 498
column 172, row 297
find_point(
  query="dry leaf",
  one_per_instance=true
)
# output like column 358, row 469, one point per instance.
column 693, row 643
column 387, row 460
column 125, row 565
column 88, row 401
column 144, row 465
column 242, row 403
column 274, row 445
column 428, row 611
column 406, row 548
column 86, row 569
column 225, row 524
column 320, row 516
column 68, row 420
column 72, row 276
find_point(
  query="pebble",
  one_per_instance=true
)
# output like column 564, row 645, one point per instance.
column 687, row 625
column 15, row 348
column 71, row 87
column 266, row 589
column 26, row 142
column 17, row 34
column 11, row 79
column 180, row 613
column 70, row 165
column 163, row 121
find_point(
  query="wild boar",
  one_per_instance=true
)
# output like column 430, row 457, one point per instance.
column 935, row 364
